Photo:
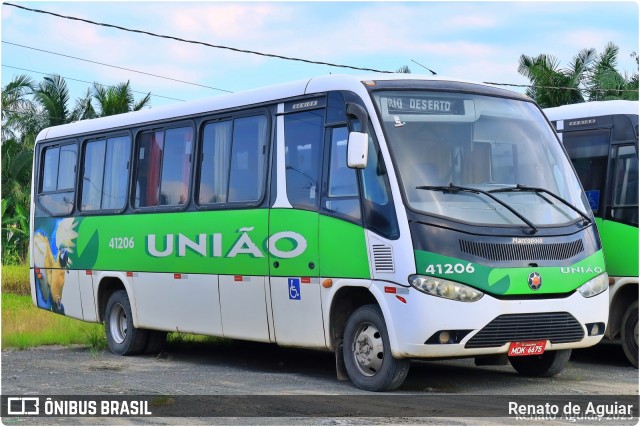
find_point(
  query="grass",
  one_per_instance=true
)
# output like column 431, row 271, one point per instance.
column 15, row 279
column 24, row 326
column 186, row 341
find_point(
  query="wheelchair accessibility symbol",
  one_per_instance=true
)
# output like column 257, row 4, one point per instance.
column 294, row 289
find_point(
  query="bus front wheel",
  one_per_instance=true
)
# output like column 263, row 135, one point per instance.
column 629, row 333
column 367, row 353
column 545, row 365
column 123, row 338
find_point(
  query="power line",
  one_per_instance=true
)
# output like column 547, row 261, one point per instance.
column 560, row 87
column 115, row 66
column 84, row 81
column 253, row 52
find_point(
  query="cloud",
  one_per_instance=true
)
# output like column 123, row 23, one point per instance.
column 586, row 38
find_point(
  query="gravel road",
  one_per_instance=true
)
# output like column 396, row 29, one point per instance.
column 244, row 370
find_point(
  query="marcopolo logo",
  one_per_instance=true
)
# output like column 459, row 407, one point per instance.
column 526, row 241
column 211, row 245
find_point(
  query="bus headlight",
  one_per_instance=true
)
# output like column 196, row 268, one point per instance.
column 595, row 286
column 444, row 288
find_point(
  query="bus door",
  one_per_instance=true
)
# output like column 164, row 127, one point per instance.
column 614, row 201
column 293, row 226
column 621, row 213
column 589, row 153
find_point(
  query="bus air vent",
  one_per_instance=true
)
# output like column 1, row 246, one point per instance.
column 383, row 258
column 519, row 252
column 559, row 327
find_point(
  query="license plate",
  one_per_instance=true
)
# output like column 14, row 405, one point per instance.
column 526, row 348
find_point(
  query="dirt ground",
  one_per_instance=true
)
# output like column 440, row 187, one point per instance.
column 247, row 372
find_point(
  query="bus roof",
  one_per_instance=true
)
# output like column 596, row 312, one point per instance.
column 233, row 100
column 591, row 109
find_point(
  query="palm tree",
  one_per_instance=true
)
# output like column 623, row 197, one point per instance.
column 596, row 75
column 20, row 118
column 84, row 108
column 606, row 83
column 16, row 198
column 53, row 96
column 117, row 99
column 21, row 123
column 552, row 86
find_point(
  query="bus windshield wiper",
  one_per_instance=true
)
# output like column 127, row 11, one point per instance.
column 455, row 188
column 520, row 187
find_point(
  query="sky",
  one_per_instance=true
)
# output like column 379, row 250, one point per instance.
column 473, row 41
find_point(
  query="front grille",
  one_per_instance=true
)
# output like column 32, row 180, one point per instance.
column 556, row 327
column 522, row 252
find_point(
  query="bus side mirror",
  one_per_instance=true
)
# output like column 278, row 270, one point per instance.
column 357, row 150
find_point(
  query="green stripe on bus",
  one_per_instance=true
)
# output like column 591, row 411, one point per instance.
column 510, row 281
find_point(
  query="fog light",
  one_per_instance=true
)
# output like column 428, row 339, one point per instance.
column 595, row 329
column 444, row 337
column 448, row 337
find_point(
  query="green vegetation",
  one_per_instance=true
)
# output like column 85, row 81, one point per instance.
column 15, row 279
column 27, row 108
column 589, row 77
column 187, row 341
column 24, row 325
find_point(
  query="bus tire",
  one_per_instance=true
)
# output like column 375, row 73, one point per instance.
column 367, row 353
column 629, row 333
column 545, row 365
column 155, row 342
column 123, row 338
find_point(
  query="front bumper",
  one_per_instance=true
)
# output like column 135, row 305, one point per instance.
column 416, row 317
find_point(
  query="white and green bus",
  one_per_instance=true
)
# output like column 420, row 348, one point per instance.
column 383, row 218
column 602, row 141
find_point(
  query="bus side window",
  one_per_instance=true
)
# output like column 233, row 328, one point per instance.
column 164, row 167
column 105, row 174
column 342, row 192
column 232, row 168
column 216, row 160
column 58, row 179
column 248, row 155
column 303, row 137
column 625, row 185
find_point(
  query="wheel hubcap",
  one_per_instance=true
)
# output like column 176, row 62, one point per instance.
column 118, row 323
column 368, row 349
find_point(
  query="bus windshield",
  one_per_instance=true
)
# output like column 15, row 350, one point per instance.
column 440, row 140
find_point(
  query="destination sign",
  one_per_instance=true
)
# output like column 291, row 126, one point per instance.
column 424, row 105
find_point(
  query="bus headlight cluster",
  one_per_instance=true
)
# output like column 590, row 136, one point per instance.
column 445, row 288
column 595, row 286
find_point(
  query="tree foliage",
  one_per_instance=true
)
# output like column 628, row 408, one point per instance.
column 27, row 108
column 588, row 77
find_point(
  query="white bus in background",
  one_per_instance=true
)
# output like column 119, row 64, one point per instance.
column 602, row 141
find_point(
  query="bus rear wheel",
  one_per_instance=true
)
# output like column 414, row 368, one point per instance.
column 545, row 365
column 122, row 337
column 629, row 333
column 367, row 353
